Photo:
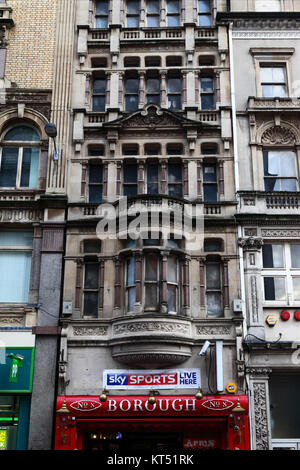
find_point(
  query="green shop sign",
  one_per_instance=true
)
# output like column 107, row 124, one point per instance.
column 16, row 369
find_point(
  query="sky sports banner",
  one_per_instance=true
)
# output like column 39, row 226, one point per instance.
column 150, row 379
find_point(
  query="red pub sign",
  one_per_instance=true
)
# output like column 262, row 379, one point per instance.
column 215, row 418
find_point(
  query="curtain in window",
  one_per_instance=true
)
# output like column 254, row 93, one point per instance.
column 14, row 276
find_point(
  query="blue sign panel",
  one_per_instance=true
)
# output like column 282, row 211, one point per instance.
column 16, row 369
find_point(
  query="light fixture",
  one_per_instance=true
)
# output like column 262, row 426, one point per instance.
column 103, row 396
column 63, row 408
column 152, row 398
column 199, row 394
column 238, row 408
column 51, row 132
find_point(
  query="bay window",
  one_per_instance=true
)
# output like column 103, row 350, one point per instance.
column 20, row 158
column 280, row 170
column 281, row 271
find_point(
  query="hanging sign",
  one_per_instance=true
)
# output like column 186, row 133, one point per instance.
column 151, row 379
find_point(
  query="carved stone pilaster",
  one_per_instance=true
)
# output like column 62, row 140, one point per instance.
column 260, row 408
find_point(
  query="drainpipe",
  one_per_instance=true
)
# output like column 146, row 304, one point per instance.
column 237, row 188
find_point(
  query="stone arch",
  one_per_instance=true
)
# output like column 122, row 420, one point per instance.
column 31, row 117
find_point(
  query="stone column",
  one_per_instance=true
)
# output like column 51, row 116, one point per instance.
column 259, row 407
column 47, row 337
column 254, row 298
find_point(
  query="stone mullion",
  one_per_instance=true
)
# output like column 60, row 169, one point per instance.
column 142, row 89
column 185, row 178
column 225, row 282
column 88, row 89
column 164, row 178
column 105, row 178
column 84, row 170
column 141, row 177
column 101, row 283
column 199, row 177
column 202, row 282
column 78, row 285
column 186, row 283
column 184, row 92
column 163, row 89
column 117, row 302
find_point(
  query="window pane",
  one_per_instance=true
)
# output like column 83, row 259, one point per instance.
column 175, row 190
column 295, row 256
column 95, row 174
column 130, row 173
column 133, row 6
column 99, row 86
column 131, row 85
column 174, row 85
column 95, row 193
column 213, row 276
column 16, row 238
column 171, row 298
column 153, row 21
column 207, row 84
column 30, row 168
column 296, row 288
column 274, row 288
column 210, row 192
column 175, row 173
column 204, row 20
column 174, row 102
column 272, row 256
column 172, row 269
column 101, row 22
column 151, row 297
column 288, row 185
column 9, row 165
column 266, row 74
column 90, row 304
column 213, row 245
column 102, row 7
column 152, row 173
column 153, row 6
column 132, row 22
column 91, row 276
column 279, row 90
column 207, row 102
column 98, row 103
column 131, row 297
column 287, row 163
column 131, row 103
column 173, row 6
column 153, row 85
column 151, row 268
column 204, row 5
column 209, row 173
column 14, row 276
column 153, row 99
column 214, row 303
column 131, row 272
column 22, row 134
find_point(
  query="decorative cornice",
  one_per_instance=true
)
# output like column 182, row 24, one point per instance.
column 90, row 331
column 151, row 326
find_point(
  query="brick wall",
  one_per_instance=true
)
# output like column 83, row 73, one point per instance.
column 31, row 43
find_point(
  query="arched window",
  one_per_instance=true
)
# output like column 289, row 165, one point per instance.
column 19, row 167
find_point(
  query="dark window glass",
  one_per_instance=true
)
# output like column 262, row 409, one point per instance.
column 210, row 187
column 91, row 285
column 130, row 180
column 214, row 289
column 272, row 256
column 152, row 179
column 131, row 94
column 274, row 288
column 95, row 183
column 9, row 166
column 174, row 180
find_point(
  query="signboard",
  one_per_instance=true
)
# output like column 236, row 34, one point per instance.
column 199, row 443
column 138, row 405
column 16, row 369
column 151, row 379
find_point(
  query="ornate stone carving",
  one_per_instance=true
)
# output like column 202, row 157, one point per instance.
column 260, row 416
column 278, row 135
column 151, row 358
column 250, row 243
column 258, row 371
column 250, row 232
column 90, row 331
column 20, row 215
column 213, row 330
column 153, row 326
column 12, row 321
column 280, row 233
column 254, row 299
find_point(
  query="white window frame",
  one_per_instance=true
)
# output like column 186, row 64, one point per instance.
column 201, row 13
column 287, row 272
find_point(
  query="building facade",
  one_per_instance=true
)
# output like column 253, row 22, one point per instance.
column 264, row 39
column 32, row 221
column 151, row 112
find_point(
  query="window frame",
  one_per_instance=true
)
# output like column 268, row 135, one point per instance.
column 173, row 15
column 88, row 290
column 202, row 13
column 136, row 15
column 273, row 83
column 280, row 150
column 20, row 145
column 174, row 93
column 93, row 184
column 101, row 15
column 152, row 15
column 129, row 184
column 204, row 94
column 220, row 290
column 210, row 183
column 128, row 94
column 99, row 94
column 286, row 271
